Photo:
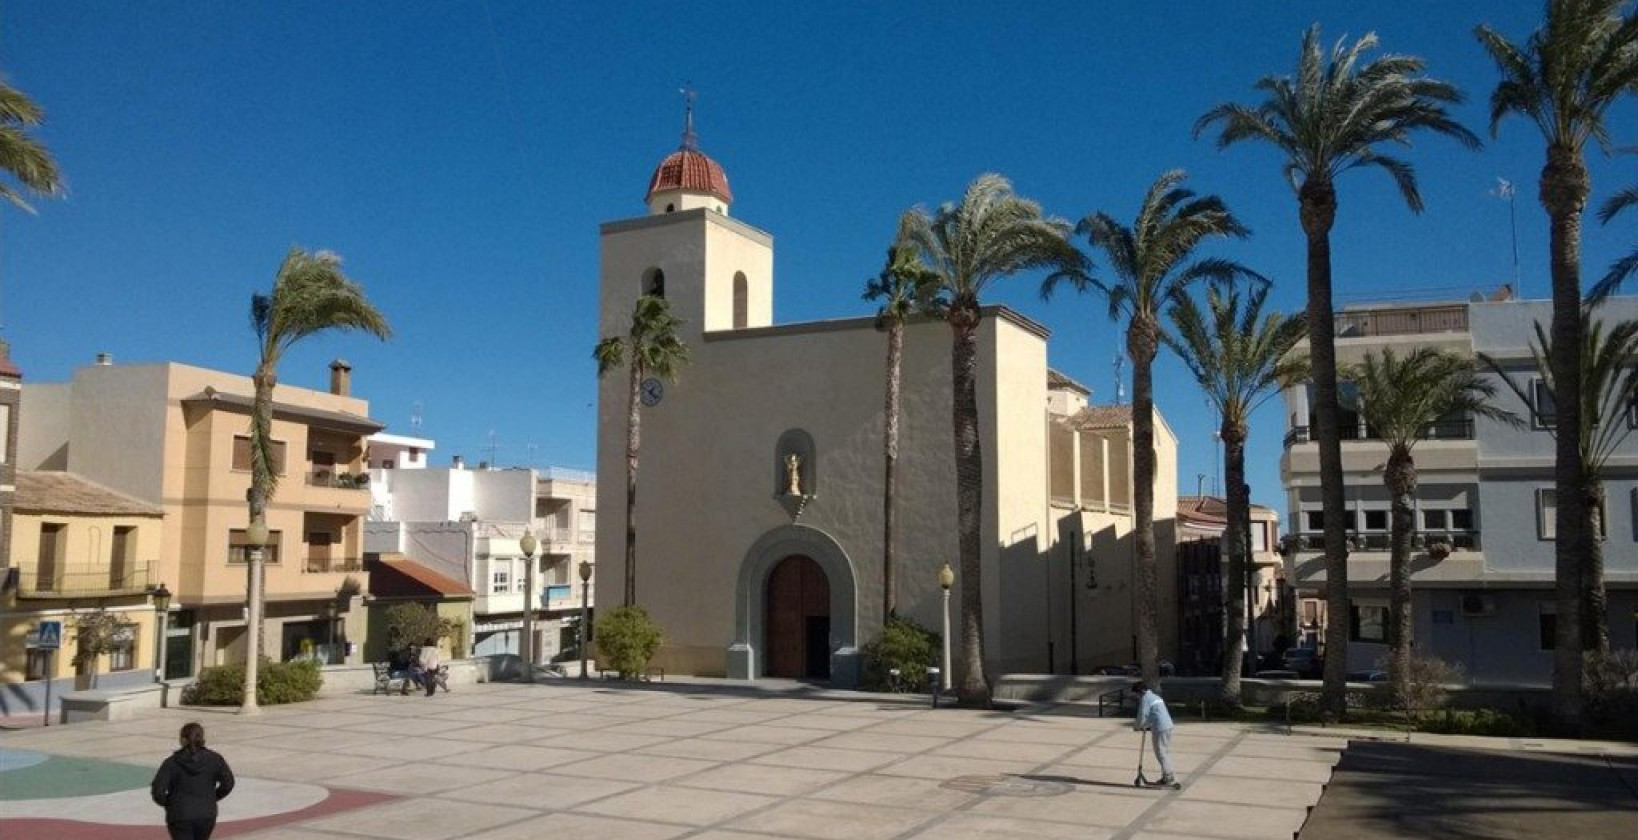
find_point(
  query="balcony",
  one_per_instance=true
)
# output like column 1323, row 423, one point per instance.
column 83, row 580
column 1451, row 429
column 342, row 480
column 1467, row 540
column 326, row 565
column 1406, row 320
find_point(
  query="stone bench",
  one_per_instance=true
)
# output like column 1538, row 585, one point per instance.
column 114, row 704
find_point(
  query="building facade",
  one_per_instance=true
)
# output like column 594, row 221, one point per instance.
column 759, row 513
column 177, row 437
column 1482, row 567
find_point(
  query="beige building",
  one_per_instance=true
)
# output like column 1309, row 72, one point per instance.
column 177, row 437
column 754, row 569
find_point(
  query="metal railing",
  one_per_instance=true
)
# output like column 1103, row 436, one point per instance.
column 84, row 579
column 1460, row 428
column 1421, row 541
column 342, row 480
column 1408, row 320
column 323, row 565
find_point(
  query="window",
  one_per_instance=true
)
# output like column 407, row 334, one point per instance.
column 241, row 454
column 654, row 282
column 122, row 559
column 588, row 526
column 1547, row 624
column 1310, row 613
column 5, row 431
column 1316, row 520
column 1546, row 513
column 38, row 661
column 1376, row 520
column 1461, row 520
column 741, row 306
column 1435, row 520
column 1546, row 411
column 1368, row 623
column 239, row 547
column 501, row 583
column 53, row 543
column 122, row 654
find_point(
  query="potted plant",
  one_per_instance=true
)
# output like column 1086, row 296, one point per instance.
column 1439, row 549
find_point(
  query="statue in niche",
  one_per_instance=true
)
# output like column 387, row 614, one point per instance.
column 793, row 474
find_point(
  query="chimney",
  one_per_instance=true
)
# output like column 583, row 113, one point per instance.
column 458, row 463
column 105, row 359
column 341, row 378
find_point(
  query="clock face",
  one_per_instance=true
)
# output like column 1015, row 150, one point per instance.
column 651, row 391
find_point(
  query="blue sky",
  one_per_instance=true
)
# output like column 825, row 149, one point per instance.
column 461, row 155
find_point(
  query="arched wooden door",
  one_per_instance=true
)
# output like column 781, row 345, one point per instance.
column 798, row 625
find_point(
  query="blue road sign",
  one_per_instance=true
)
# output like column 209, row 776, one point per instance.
column 49, row 636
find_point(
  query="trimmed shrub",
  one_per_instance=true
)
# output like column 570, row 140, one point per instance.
column 1424, row 687
column 903, row 645
column 1476, row 722
column 276, row 682
column 626, row 639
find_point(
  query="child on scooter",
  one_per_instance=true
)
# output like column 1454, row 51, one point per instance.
column 1153, row 716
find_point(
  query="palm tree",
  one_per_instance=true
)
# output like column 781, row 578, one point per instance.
column 1609, row 386
column 1624, row 266
column 1240, row 358
column 310, row 295
column 991, row 234
column 1335, row 114
column 21, row 156
column 904, row 287
column 1401, row 398
column 1564, row 79
column 651, row 348
column 1148, row 261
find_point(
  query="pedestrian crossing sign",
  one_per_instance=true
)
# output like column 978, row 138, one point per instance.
column 49, row 635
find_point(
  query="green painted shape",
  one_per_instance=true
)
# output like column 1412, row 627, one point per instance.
column 61, row 777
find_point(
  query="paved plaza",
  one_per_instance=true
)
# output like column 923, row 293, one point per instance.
column 600, row 760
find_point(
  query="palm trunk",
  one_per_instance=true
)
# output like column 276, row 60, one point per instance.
column 890, row 459
column 261, row 490
column 1595, row 627
column 1400, row 478
column 1141, row 343
column 1318, row 209
column 1236, row 545
column 634, row 419
column 1564, row 190
column 974, row 689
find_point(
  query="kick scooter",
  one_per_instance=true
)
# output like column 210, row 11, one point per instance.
column 1141, row 780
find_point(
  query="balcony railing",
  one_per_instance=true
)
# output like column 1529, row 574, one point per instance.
column 1451, row 429
column 342, row 480
column 323, row 565
column 84, row 579
column 1463, row 540
column 1359, row 323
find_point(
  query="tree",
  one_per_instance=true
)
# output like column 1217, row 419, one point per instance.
column 410, row 623
column 1564, row 79
column 310, row 295
column 1334, row 115
column 904, row 288
column 1240, row 358
column 23, row 157
column 1148, row 260
column 97, row 633
column 1609, row 386
column 651, row 347
column 1623, row 267
column 991, row 234
column 1401, row 398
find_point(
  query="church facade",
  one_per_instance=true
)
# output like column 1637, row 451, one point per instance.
column 759, row 504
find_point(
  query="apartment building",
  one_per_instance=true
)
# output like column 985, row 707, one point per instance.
column 468, row 524
column 1482, row 567
column 177, row 437
column 1203, row 585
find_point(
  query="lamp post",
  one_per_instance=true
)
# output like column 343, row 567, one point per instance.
column 526, row 646
column 585, row 612
column 162, row 608
column 946, row 579
column 256, row 539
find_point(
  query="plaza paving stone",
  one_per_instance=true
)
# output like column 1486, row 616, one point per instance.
column 707, row 760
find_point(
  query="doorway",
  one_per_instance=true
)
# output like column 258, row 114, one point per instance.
column 798, row 620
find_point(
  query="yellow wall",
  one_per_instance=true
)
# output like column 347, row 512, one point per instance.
column 19, row 619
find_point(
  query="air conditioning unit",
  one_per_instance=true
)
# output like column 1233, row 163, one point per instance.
column 1478, row 605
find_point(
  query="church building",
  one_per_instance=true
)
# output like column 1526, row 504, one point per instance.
column 759, row 504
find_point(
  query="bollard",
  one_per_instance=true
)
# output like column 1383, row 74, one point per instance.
column 893, row 680
column 932, row 683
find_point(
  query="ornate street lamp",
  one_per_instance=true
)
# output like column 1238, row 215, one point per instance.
column 162, row 608
column 526, row 647
column 585, row 610
column 256, row 539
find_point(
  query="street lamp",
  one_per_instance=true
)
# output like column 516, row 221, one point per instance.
column 946, row 579
column 585, row 606
column 256, row 539
column 162, row 608
column 527, row 646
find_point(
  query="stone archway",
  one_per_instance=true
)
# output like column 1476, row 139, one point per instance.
column 746, row 657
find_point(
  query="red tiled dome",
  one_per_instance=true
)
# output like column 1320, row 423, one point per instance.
column 688, row 169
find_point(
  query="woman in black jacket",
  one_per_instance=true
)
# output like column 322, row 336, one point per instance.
column 189, row 784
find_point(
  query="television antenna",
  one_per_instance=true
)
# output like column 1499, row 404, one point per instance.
column 1506, row 191
column 1120, row 379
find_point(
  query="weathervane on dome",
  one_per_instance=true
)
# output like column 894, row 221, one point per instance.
column 690, row 141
